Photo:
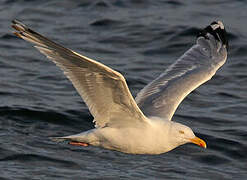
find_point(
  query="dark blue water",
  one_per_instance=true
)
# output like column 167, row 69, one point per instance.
column 140, row 39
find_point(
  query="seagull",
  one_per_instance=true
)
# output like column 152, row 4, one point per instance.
column 142, row 125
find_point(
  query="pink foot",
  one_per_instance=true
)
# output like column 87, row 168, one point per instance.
column 78, row 143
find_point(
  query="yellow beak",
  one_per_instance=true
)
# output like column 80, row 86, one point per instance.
column 199, row 142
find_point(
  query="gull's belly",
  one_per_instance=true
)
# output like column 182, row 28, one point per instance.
column 134, row 140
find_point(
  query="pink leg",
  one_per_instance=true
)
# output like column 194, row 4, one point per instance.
column 78, row 143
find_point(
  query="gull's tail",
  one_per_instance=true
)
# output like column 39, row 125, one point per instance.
column 59, row 139
column 76, row 137
column 85, row 137
column 217, row 30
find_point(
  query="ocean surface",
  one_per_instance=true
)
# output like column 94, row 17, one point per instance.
column 140, row 39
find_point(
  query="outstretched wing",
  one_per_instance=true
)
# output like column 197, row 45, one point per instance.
column 162, row 96
column 104, row 90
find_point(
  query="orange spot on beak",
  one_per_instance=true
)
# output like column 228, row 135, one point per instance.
column 199, row 142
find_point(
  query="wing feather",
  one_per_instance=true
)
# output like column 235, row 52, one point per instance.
column 104, row 90
column 162, row 96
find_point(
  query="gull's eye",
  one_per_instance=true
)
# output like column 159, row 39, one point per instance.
column 181, row 132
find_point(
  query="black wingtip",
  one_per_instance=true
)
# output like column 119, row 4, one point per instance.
column 216, row 29
column 16, row 21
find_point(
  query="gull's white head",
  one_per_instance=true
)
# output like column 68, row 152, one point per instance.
column 181, row 134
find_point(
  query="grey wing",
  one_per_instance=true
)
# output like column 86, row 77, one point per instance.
column 162, row 96
column 104, row 90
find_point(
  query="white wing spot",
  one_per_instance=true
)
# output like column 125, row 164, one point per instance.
column 221, row 24
column 215, row 26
